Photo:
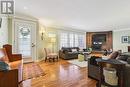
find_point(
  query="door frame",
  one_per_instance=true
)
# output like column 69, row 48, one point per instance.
column 14, row 38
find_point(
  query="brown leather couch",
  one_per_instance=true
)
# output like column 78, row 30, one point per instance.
column 12, row 77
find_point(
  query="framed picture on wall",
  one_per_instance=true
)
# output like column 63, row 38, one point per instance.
column 125, row 39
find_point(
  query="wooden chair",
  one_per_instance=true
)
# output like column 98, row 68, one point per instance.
column 49, row 55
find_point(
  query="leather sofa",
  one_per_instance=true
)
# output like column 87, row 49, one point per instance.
column 67, row 53
column 125, row 58
column 93, row 68
column 13, row 76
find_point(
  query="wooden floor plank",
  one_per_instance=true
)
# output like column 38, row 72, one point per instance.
column 61, row 74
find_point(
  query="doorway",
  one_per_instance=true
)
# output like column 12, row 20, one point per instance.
column 25, row 39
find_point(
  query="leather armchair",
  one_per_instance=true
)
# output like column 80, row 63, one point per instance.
column 12, row 77
column 12, row 57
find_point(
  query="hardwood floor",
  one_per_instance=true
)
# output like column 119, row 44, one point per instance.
column 61, row 74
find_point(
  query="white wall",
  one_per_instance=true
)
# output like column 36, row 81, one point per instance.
column 46, row 44
column 117, row 43
column 4, row 31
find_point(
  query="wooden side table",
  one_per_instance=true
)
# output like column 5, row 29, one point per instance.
column 113, row 63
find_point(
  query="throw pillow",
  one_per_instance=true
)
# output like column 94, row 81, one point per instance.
column 74, row 50
column 113, row 55
column 4, row 66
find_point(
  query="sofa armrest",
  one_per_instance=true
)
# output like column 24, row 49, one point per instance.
column 16, row 57
column 93, row 61
column 9, row 78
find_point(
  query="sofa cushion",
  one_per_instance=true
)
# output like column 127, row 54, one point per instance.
column 122, row 57
column 66, row 49
column 4, row 66
column 74, row 50
column 17, row 65
column 124, row 62
column 77, row 48
column 69, row 49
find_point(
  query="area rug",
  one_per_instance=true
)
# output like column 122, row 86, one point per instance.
column 32, row 70
column 78, row 63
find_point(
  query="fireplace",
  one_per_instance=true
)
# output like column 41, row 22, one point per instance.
column 97, row 41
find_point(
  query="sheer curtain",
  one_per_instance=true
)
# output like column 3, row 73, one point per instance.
column 71, row 39
column 63, row 40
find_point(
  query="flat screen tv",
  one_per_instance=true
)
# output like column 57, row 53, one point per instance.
column 97, row 41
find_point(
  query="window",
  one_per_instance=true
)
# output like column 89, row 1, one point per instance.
column 63, row 40
column 70, row 39
column 76, row 40
column 81, row 41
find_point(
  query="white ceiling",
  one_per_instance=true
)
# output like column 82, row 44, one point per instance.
column 88, row 15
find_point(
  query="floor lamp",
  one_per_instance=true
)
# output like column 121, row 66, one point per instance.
column 53, row 40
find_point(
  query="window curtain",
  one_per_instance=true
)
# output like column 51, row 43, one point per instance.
column 72, row 39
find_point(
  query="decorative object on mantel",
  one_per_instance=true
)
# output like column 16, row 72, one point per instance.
column 125, row 39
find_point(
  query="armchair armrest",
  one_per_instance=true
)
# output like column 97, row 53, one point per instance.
column 16, row 57
column 9, row 78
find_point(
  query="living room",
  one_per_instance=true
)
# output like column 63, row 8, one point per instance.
column 64, row 43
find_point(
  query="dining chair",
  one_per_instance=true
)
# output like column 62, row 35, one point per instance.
column 50, row 55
